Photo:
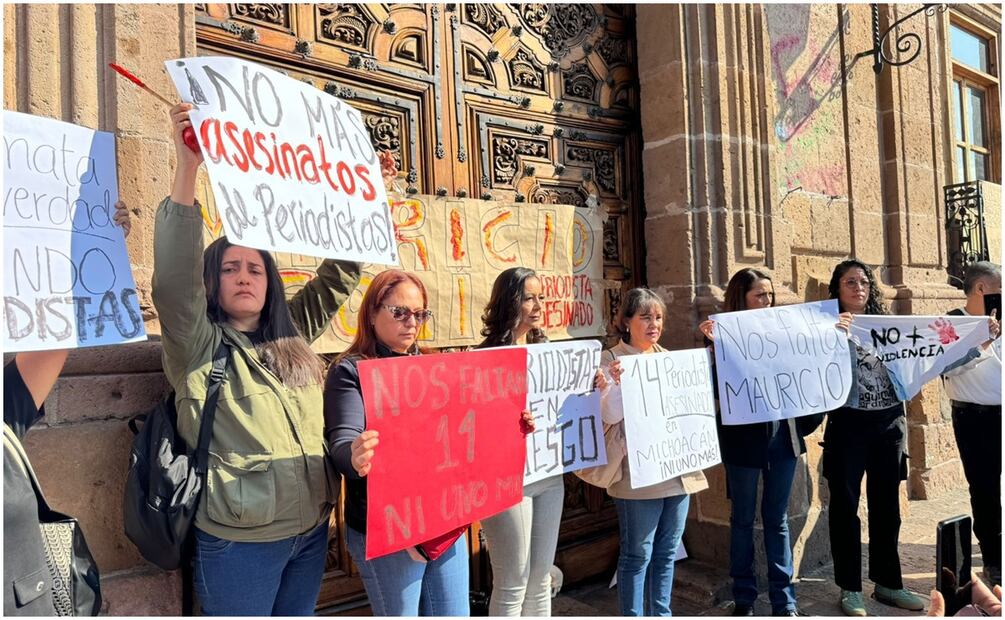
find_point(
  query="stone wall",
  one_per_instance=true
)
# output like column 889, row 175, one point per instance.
column 768, row 144
column 55, row 65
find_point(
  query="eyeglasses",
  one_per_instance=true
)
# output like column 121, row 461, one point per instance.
column 402, row 314
column 856, row 283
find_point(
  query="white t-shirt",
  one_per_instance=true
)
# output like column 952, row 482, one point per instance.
column 980, row 380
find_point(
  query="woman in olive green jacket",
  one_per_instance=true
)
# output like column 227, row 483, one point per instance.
column 262, row 522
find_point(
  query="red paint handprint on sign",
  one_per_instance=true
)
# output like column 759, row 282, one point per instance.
column 945, row 331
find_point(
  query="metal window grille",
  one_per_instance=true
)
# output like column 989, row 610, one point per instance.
column 966, row 230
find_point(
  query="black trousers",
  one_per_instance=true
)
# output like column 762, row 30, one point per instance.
column 978, row 432
column 871, row 444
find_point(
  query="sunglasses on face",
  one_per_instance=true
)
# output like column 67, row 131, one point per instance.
column 402, row 314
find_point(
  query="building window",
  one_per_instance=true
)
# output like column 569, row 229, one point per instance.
column 974, row 102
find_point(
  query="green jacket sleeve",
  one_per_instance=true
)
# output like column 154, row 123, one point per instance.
column 178, row 292
column 313, row 306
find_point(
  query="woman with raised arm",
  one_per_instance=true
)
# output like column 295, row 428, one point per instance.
column 261, row 529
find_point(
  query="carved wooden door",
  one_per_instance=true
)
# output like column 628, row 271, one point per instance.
column 524, row 102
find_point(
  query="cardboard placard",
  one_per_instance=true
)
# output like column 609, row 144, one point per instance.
column 451, row 446
column 779, row 363
column 67, row 279
column 292, row 167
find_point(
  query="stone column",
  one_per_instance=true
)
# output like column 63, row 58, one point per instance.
column 55, row 65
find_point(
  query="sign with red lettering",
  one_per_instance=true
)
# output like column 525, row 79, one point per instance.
column 451, row 446
column 291, row 167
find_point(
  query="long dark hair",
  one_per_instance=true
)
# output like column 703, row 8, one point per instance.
column 282, row 349
column 738, row 287
column 383, row 284
column 874, row 303
column 636, row 300
column 502, row 313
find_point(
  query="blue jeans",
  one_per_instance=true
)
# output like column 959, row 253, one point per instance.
column 397, row 585
column 651, row 530
column 742, row 483
column 280, row 578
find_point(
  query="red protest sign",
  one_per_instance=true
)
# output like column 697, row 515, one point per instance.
column 451, row 449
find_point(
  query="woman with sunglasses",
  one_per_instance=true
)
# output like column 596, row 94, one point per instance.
column 430, row 579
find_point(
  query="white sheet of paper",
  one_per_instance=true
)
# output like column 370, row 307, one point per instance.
column 779, row 363
column 917, row 349
column 67, row 279
column 669, row 415
column 569, row 434
column 291, row 167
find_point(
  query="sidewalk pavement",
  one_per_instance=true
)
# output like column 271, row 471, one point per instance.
column 701, row 589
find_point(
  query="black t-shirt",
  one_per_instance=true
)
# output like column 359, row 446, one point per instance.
column 26, row 579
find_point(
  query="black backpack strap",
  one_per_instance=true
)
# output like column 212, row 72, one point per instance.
column 220, row 359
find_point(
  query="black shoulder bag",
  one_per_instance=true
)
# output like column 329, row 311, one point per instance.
column 76, row 586
column 165, row 478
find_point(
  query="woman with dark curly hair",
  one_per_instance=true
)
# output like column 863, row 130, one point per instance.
column 522, row 540
column 866, row 437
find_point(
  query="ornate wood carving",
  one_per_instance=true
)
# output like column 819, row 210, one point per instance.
column 603, row 161
column 485, row 17
column 385, row 133
column 505, row 150
column 409, row 48
column 580, row 83
column 347, row 24
column 276, row 14
column 476, row 67
column 559, row 26
column 613, row 51
column 558, row 195
column 612, row 247
column 526, row 73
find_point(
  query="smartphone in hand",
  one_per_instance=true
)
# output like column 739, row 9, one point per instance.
column 952, row 562
column 993, row 301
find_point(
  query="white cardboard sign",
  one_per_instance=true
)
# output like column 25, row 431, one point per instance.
column 291, row 167
column 669, row 415
column 66, row 273
column 779, row 363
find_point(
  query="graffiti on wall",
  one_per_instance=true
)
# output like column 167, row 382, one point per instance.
column 806, row 78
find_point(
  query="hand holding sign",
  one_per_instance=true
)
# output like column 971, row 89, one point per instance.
column 362, row 451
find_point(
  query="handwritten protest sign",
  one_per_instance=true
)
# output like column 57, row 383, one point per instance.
column 451, row 447
column 67, row 281
column 779, row 363
column 669, row 415
column 917, row 349
column 568, row 433
column 292, row 167
column 452, row 243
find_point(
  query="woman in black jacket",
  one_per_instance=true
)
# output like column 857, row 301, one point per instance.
column 750, row 451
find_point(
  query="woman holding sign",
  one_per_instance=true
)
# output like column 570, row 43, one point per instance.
column 866, row 437
column 651, row 519
column 523, row 539
column 432, row 578
column 261, row 529
column 750, row 452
